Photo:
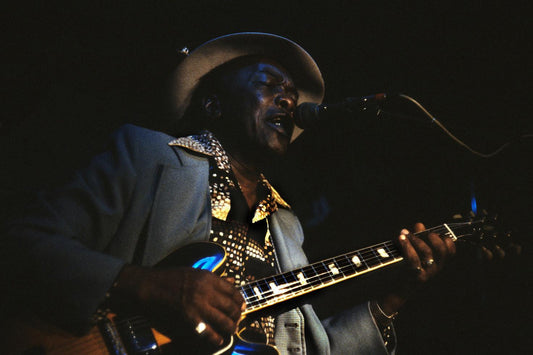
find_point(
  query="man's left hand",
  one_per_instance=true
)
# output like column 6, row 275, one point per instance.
column 425, row 258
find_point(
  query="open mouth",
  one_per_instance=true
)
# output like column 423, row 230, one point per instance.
column 281, row 123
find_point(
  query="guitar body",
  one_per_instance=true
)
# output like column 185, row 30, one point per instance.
column 127, row 335
column 30, row 335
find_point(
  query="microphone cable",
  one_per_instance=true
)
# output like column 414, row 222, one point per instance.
column 450, row 134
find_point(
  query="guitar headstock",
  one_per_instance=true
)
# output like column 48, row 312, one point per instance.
column 486, row 232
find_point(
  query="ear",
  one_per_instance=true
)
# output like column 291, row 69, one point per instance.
column 211, row 106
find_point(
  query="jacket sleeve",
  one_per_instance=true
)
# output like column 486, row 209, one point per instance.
column 55, row 253
column 354, row 329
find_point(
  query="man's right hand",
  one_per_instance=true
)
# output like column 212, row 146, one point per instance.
column 183, row 297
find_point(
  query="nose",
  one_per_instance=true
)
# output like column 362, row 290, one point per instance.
column 286, row 102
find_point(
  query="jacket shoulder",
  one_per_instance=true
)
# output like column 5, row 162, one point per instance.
column 149, row 145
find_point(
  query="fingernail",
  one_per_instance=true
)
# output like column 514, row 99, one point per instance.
column 403, row 237
column 404, row 231
column 243, row 307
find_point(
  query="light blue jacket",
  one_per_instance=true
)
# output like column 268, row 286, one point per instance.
column 136, row 203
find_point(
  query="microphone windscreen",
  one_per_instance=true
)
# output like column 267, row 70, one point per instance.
column 306, row 114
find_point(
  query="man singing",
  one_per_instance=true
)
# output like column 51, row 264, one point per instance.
column 92, row 245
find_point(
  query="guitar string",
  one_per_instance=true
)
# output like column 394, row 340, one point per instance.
column 368, row 256
column 266, row 296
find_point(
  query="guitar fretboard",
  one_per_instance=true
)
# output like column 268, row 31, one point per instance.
column 274, row 289
column 278, row 288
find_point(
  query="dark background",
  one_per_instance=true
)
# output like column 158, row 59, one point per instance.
column 72, row 72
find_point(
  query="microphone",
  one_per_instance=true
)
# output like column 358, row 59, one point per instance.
column 309, row 115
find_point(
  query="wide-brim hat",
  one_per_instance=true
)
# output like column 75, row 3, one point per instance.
column 218, row 51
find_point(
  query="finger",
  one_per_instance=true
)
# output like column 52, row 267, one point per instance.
column 485, row 254
column 220, row 321
column 499, row 252
column 228, row 306
column 230, row 280
column 439, row 248
column 419, row 227
column 205, row 330
column 409, row 252
column 450, row 245
column 232, row 292
column 422, row 249
column 226, row 285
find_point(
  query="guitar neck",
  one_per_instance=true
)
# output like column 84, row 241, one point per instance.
column 279, row 288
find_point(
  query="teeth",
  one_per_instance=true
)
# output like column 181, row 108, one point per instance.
column 277, row 121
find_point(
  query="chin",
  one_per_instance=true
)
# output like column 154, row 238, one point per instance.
column 277, row 152
column 279, row 146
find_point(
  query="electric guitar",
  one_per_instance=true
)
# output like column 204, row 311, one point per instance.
column 135, row 336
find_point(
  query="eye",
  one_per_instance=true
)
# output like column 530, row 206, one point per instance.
column 262, row 83
column 265, row 82
column 266, row 79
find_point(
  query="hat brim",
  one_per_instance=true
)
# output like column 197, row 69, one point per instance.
column 216, row 52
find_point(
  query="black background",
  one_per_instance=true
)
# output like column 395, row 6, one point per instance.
column 73, row 72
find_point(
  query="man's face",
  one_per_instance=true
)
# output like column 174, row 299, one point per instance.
column 257, row 108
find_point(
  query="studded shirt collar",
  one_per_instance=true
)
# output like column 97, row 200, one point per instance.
column 221, row 182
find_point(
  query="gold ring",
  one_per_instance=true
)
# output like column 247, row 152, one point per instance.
column 200, row 328
column 429, row 262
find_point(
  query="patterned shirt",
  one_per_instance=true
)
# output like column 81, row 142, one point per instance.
column 244, row 234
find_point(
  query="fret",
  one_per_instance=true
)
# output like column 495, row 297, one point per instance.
column 258, row 293
column 372, row 259
column 252, row 300
column 382, row 256
column 258, row 290
column 334, row 270
column 341, row 265
column 305, row 278
column 357, row 262
column 365, row 266
column 382, row 253
column 323, row 272
column 264, row 287
column 249, row 295
column 392, row 250
column 311, row 275
column 302, row 282
column 290, row 278
column 349, row 264
column 451, row 234
column 279, row 285
column 294, row 285
column 246, row 292
column 346, row 265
